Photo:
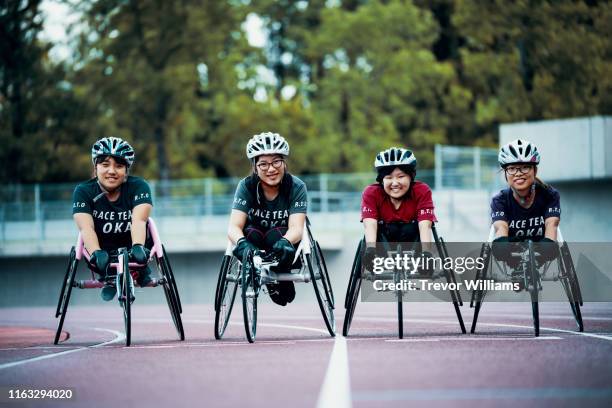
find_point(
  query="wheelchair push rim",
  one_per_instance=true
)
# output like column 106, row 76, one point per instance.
column 250, row 291
column 317, row 275
column 171, row 295
column 66, row 291
column 226, row 292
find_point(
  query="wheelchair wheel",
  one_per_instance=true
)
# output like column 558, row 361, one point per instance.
column 452, row 272
column 400, row 310
column 171, row 295
column 347, row 298
column 250, row 291
column 325, row 274
column 66, row 291
column 478, row 295
column 126, row 286
column 317, row 276
column 227, row 286
column 352, row 294
column 569, row 280
column 533, row 278
column 172, row 281
column 224, row 262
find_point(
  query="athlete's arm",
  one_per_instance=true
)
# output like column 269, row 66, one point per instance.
column 140, row 216
column 501, row 228
column 296, row 227
column 85, row 223
column 237, row 222
column 371, row 230
column 550, row 227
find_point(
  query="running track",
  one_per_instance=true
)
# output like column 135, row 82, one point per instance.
column 295, row 363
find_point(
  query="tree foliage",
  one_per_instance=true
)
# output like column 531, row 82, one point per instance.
column 179, row 80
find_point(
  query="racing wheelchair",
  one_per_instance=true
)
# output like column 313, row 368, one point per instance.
column 124, row 282
column 359, row 273
column 530, row 275
column 257, row 270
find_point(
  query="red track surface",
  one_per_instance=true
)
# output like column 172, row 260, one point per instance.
column 434, row 365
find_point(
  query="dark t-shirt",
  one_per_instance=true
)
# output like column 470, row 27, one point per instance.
column 264, row 214
column 418, row 205
column 112, row 220
column 526, row 222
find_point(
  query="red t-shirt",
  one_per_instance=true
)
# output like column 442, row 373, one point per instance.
column 417, row 205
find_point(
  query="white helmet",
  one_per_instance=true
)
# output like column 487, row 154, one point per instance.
column 267, row 143
column 518, row 151
column 395, row 156
column 115, row 147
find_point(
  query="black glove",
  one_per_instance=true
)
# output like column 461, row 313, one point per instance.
column 242, row 247
column 502, row 249
column 547, row 250
column 99, row 261
column 368, row 258
column 284, row 251
column 139, row 254
column 427, row 267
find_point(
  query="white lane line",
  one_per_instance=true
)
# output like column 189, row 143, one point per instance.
column 586, row 334
column 475, row 339
column 118, row 337
column 336, row 389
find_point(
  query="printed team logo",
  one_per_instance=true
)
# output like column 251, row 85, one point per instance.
column 78, row 204
column 366, row 210
column 141, row 196
column 554, row 210
column 425, row 211
column 239, row 201
column 497, row 214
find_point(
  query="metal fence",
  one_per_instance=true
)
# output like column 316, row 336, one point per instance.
column 456, row 168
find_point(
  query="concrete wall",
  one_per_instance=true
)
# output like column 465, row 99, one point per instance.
column 571, row 149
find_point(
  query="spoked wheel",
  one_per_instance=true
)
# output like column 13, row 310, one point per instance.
column 324, row 274
column 533, row 280
column 172, row 281
column 126, row 297
column 352, row 294
column 356, row 260
column 250, row 291
column 479, row 294
column 66, row 291
column 227, row 286
column 400, row 309
column 171, row 295
column 569, row 279
column 322, row 290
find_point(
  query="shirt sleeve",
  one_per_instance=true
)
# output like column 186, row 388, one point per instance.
column 553, row 207
column 81, row 203
column 299, row 199
column 141, row 193
column 369, row 206
column 425, row 206
column 498, row 209
column 242, row 198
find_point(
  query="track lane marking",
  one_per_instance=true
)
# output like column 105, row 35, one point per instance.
column 336, row 389
column 119, row 336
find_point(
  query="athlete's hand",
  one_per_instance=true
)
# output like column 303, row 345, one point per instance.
column 547, row 250
column 139, row 254
column 243, row 246
column 368, row 258
column 502, row 250
column 284, row 251
column 100, row 261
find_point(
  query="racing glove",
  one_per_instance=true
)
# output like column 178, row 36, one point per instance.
column 100, row 260
column 242, row 247
column 139, row 254
column 368, row 258
column 547, row 250
column 284, row 251
column 502, row 248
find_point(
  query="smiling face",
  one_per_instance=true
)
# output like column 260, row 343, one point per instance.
column 397, row 183
column 271, row 169
column 521, row 176
column 111, row 173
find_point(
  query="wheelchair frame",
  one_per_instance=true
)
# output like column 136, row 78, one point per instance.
column 533, row 278
column 357, row 274
column 255, row 272
column 124, row 283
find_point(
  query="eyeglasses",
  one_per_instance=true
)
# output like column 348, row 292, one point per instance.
column 264, row 166
column 514, row 170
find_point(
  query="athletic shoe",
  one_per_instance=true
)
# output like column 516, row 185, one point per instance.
column 108, row 292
